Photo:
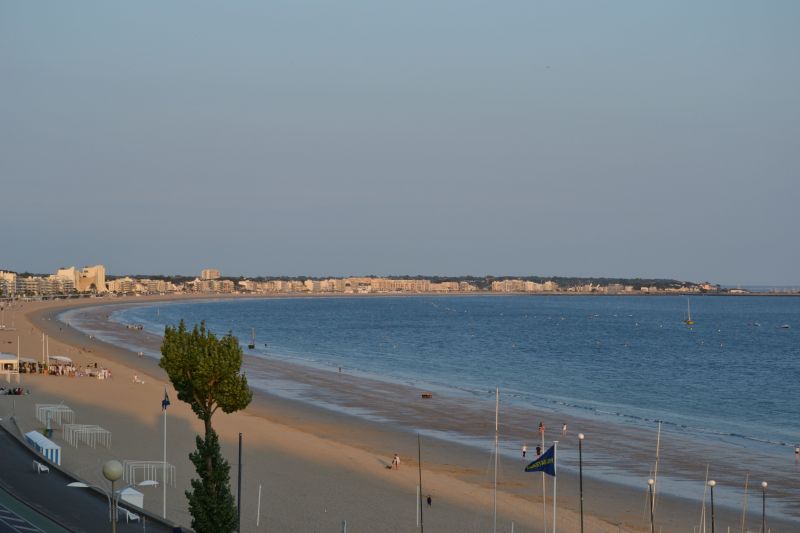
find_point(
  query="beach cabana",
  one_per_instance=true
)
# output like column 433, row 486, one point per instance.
column 134, row 471
column 87, row 433
column 9, row 366
column 54, row 412
column 44, row 446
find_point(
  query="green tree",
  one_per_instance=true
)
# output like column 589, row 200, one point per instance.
column 206, row 373
column 211, row 503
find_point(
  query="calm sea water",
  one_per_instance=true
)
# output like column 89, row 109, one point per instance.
column 736, row 372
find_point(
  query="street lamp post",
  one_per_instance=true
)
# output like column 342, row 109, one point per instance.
column 580, row 469
column 712, row 484
column 650, row 483
column 763, row 507
column 112, row 471
column 81, row 485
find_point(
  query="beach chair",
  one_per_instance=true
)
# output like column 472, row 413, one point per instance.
column 39, row 467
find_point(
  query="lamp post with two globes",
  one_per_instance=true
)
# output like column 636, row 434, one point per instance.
column 112, row 471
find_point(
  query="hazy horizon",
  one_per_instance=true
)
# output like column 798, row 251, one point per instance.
column 530, row 138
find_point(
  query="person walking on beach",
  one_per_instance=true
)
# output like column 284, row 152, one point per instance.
column 564, row 429
column 396, row 462
column 524, row 450
column 429, row 500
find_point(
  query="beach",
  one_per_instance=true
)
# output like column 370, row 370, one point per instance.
column 317, row 466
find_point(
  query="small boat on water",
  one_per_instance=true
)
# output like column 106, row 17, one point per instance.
column 252, row 344
column 784, row 326
column 688, row 321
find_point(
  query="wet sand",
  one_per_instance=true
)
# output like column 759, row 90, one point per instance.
column 319, row 466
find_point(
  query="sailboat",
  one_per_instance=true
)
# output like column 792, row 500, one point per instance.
column 688, row 321
column 252, row 344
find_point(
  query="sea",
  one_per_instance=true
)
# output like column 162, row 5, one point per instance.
column 732, row 378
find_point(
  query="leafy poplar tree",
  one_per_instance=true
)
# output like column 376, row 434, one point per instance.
column 206, row 373
column 211, row 503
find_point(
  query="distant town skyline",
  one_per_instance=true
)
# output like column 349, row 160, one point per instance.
column 530, row 138
column 91, row 280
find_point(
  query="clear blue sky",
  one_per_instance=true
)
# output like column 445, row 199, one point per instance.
column 448, row 137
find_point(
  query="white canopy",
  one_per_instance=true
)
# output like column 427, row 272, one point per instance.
column 132, row 496
column 11, row 361
column 63, row 359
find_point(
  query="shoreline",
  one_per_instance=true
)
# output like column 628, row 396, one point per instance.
column 626, row 470
column 617, row 503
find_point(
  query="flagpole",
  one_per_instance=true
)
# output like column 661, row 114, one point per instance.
column 164, row 465
column 655, row 473
column 555, row 478
column 544, row 488
column 744, row 504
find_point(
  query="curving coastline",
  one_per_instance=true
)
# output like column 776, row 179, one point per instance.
column 314, row 440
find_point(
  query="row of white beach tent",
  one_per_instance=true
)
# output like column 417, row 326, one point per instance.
column 87, row 433
column 90, row 434
column 133, row 471
column 47, row 413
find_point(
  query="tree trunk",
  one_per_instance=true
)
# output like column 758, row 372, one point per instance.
column 209, row 464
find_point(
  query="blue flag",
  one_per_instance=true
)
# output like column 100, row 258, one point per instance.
column 165, row 401
column 544, row 463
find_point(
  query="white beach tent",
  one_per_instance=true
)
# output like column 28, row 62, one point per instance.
column 60, row 359
column 132, row 496
column 9, row 358
column 52, row 412
column 44, row 446
column 91, row 434
column 9, row 365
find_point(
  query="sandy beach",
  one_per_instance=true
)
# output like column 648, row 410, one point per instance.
column 317, row 467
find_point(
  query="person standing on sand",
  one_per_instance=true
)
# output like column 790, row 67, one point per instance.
column 524, row 450
column 564, row 429
column 429, row 500
column 396, row 462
